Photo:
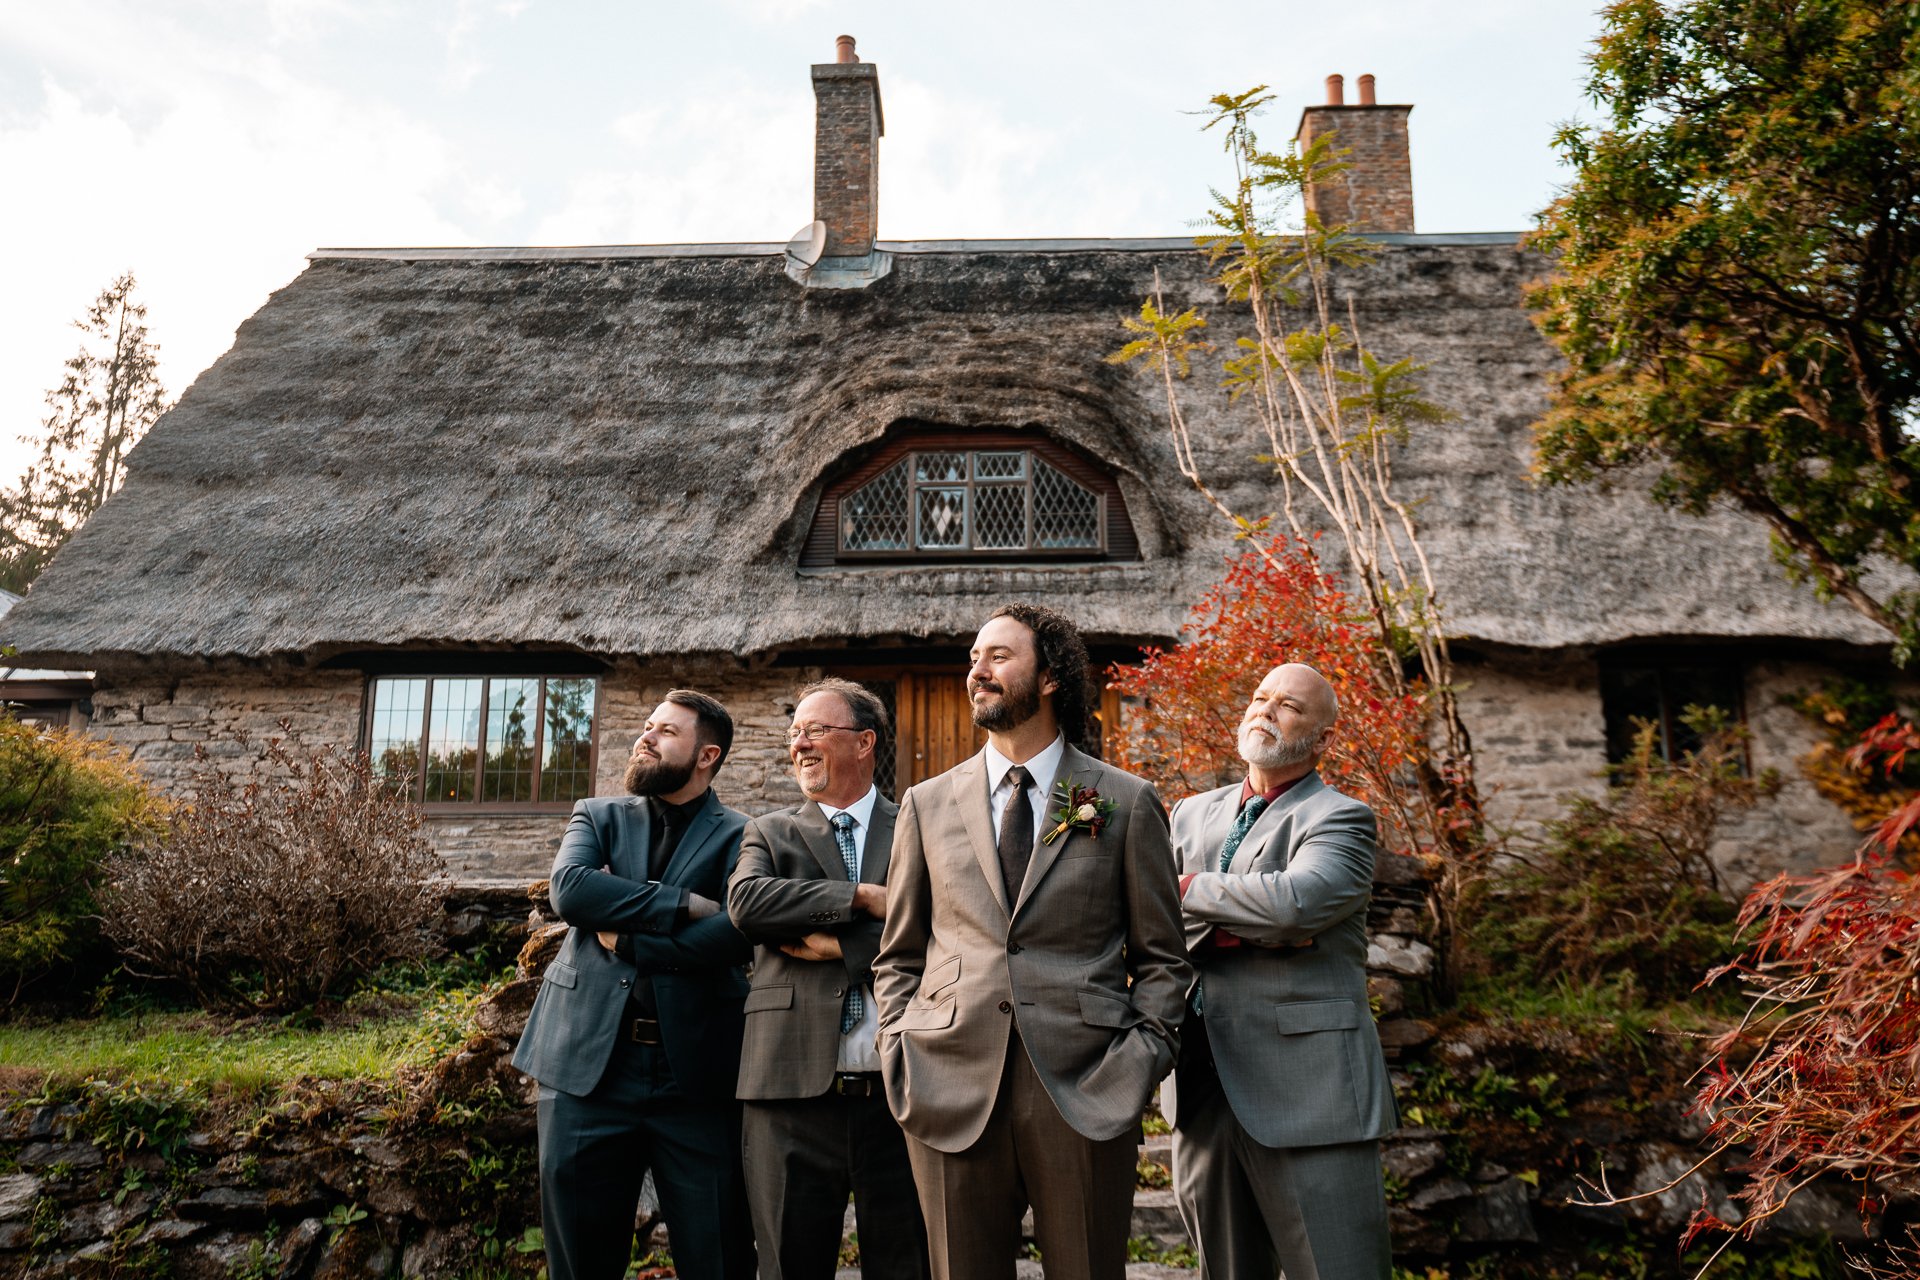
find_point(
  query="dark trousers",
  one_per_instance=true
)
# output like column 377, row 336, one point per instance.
column 594, row 1155
column 1081, row 1190
column 802, row 1157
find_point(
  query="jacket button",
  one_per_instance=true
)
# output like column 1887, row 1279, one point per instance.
column 839, row 991
column 1005, row 1007
column 1013, row 948
column 623, row 982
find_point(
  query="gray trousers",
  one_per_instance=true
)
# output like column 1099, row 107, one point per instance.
column 802, row 1157
column 1319, row 1212
column 1081, row 1190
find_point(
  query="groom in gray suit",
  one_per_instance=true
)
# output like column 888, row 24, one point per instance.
column 1281, row 1097
column 1031, row 979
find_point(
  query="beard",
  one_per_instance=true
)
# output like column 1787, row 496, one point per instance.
column 652, row 776
column 1275, row 752
column 1016, row 706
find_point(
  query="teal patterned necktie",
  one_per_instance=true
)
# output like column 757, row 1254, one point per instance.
column 851, row 1009
column 1241, row 825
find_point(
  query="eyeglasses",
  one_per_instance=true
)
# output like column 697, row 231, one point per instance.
column 814, row 732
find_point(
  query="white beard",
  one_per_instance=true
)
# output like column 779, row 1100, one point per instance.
column 1275, row 752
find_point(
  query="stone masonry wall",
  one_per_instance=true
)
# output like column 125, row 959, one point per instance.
column 1535, row 720
column 1538, row 734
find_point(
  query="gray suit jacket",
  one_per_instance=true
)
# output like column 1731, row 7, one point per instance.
column 696, row 964
column 1088, row 958
column 792, row 881
column 1291, row 1032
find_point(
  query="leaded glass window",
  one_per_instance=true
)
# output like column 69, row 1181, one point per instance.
column 498, row 740
column 991, row 500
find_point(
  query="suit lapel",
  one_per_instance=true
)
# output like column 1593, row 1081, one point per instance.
column 879, row 850
column 1268, row 823
column 1083, row 770
column 704, row 826
column 818, row 833
column 1215, row 825
column 629, row 860
column 970, row 797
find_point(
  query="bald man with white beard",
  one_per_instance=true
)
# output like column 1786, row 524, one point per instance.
column 1281, row 1096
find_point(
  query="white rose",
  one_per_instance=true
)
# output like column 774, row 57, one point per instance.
column 1086, row 813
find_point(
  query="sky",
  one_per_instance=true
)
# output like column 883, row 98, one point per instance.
column 208, row 145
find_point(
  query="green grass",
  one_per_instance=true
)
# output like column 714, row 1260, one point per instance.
column 192, row 1049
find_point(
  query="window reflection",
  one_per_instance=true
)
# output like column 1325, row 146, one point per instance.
column 486, row 740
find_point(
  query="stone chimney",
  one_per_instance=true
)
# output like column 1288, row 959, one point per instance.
column 846, row 152
column 1376, row 193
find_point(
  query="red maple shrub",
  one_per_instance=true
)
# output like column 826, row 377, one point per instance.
column 1833, row 1038
column 1280, row 606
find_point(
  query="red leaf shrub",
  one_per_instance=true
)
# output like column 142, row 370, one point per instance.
column 1184, row 736
column 1834, row 1035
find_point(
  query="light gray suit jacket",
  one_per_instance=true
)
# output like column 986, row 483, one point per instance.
column 1291, row 1032
column 791, row 881
column 1088, row 958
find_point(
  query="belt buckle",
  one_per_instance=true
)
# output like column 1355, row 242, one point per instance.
column 634, row 1031
column 851, row 1086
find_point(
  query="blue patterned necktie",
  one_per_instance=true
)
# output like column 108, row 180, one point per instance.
column 1241, row 825
column 851, row 1010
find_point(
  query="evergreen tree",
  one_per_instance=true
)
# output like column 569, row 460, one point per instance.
column 109, row 397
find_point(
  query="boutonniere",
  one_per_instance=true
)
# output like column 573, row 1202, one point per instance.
column 1081, row 809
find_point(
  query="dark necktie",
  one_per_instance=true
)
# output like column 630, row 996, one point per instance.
column 1249, row 815
column 1016, row 835
column 843, row 835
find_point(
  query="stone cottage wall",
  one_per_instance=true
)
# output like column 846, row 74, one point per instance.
column 1535, row 720
column 160, row 720
column 1538, row 734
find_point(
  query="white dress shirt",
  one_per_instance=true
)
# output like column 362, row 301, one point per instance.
column 858, row 1051
column 1040, row 771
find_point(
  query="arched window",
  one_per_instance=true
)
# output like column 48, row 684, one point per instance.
column 946, row 495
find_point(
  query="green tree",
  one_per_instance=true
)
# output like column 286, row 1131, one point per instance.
column 67, row 804
column 1738, row 277
column 109, row 397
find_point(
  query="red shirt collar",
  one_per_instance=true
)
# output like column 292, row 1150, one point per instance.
column 1247, row 792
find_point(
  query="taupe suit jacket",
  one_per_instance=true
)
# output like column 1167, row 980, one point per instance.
column 1291, row 1032
column 1088, row 959
column 792, row 881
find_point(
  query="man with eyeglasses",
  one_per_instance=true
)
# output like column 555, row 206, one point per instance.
column 810, row 892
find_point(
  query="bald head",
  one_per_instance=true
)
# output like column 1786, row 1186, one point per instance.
column 1289, row 720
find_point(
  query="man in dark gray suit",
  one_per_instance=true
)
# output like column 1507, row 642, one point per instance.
column 810, row 889
column 1281, row 1096
column 635, row 1035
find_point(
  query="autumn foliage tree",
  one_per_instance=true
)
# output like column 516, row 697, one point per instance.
column 1278, row 604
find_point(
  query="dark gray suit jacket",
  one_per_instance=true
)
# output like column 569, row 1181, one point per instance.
column 696, row 965
column 792, row 881
column 1291, row 1032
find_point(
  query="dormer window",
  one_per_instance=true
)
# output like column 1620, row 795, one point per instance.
column 977, row 495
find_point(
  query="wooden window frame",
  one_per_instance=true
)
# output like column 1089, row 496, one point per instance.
column 440, row 808
column 825, row 547
column 971, row 484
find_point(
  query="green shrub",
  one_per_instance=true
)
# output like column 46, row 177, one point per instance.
column 1623, row 885
column 67, row 804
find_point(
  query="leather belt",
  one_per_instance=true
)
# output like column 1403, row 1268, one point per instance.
column 857, row 1084
column 644, row 1030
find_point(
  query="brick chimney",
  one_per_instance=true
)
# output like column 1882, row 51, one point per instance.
column 846, row 151
column 1376, row 193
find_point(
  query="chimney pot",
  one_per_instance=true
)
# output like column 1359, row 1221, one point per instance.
column 1336, row 90
column 1366, row 91
column 843, row 50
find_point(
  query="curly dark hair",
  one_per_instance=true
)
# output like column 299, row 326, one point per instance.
column 1063, row 655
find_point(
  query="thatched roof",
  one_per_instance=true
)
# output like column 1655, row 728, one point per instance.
column 620, row 450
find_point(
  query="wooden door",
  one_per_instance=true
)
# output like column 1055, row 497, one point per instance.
column 934, row 726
